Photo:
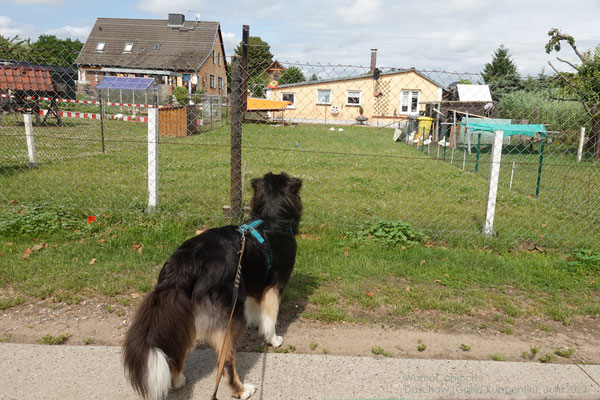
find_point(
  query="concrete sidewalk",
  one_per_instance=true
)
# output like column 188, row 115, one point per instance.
column 95, row 372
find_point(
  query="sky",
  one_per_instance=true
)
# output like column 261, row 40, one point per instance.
column 434, row 35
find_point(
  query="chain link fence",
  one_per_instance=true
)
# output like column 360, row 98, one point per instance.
column 99, row 135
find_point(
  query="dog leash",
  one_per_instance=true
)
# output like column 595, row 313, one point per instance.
column 236, row 292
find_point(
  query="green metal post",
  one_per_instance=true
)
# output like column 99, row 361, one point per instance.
column 539, row 177
column 478, row 149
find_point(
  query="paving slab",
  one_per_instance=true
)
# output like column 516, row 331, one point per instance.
column 593, row 371
column 95, row 372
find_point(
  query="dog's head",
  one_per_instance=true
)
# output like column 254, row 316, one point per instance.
column 277, row 198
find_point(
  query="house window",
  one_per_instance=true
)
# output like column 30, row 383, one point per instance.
column 219, row 58
column 128, row 47
column 156, row 46
column 323, row 96
column 409, row 102
column 100, row 46
column 220, row 83
column 353, row 98
column 291, row 97
column 213, row 57
column 212, row 82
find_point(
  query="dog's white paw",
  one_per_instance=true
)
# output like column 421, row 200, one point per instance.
column 276, row 341
column 179, row 382
column 249, row 390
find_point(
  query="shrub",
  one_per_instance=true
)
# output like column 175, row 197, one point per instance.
column 539, row 107
column 390, row 232
column 34, row 218
column 181, row 95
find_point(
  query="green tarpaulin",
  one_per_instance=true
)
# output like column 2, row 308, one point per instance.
column 509, row 129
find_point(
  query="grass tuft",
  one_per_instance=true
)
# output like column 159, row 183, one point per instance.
column 54, row 340
column 564, row 352
column 380, row 351
column 5, row 304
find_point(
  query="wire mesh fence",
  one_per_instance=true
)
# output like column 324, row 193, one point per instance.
column 368, row 142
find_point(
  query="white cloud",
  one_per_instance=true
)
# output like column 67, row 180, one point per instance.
column 470, row 5
column 361, row 12
column 71, row 32
column 230, row 41
column 164, row 7
column 9, row 29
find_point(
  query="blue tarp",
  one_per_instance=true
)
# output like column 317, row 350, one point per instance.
column 117, row 82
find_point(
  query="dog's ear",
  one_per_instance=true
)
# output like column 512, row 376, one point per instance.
column 295, row 185
column 255, row 182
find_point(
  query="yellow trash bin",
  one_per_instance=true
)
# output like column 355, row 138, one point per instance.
column 424, row 126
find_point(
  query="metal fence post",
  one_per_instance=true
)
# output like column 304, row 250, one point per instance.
column 237, row 114
column 30, row 140
column 488, row 225
column 152, row 158
column 539, row 177
column 581, row 141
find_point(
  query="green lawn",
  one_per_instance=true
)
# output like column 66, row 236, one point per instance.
column 350, row 177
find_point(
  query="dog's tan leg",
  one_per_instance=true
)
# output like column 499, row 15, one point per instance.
column 241, row 390
column 178, row 379
column 252, row 312
column 177, row 372
column 269, row 306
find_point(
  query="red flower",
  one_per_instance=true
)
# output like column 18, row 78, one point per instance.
column 91, row 219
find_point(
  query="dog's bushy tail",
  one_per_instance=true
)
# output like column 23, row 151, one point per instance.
column 158, row 340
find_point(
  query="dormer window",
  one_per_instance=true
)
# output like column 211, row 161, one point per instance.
column 156, row 46
column 128, row 47
column 100, row 46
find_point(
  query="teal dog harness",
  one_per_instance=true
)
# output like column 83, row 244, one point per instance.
column 251, row 228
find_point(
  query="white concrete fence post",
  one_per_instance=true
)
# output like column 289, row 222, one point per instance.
column 580, row 147
column 488, row 226
column 152, row 158
column 30, row 140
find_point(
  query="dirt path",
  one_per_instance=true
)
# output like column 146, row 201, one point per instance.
column 101, row 322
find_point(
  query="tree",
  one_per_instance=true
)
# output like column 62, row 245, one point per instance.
column 14, row 49
column 501, row 74
column 50, row 50
column 583, row 84
column 291, row 75
column 259, row 55
column 257, row 85
column 314, row 77
column 47, row 50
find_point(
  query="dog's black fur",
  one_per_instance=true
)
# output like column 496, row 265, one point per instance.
column 192, row 299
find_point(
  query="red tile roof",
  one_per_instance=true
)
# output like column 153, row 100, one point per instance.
column 25, row 78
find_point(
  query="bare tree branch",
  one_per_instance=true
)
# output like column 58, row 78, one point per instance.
column 564, row 78
column 572, row 44
column 568, row 62
column 568, row 82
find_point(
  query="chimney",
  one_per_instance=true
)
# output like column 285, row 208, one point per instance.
column 373, row 60
column 176, row 20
